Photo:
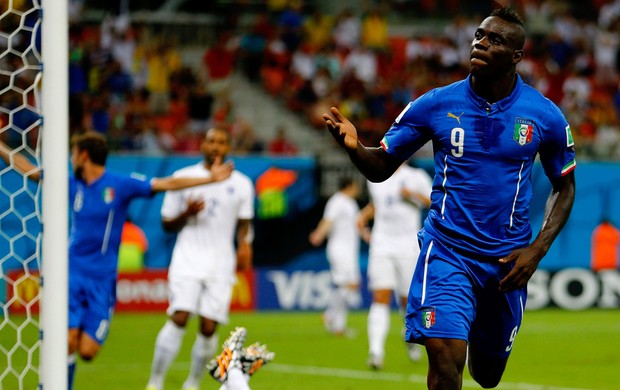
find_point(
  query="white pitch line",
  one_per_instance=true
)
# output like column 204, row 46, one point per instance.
column 338, row 373
column 395, row 377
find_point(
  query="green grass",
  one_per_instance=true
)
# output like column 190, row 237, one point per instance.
column 555, row 350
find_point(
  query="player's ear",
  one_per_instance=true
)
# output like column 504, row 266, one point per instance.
column 517, row 56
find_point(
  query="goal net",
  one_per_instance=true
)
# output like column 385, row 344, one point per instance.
column 25, row 319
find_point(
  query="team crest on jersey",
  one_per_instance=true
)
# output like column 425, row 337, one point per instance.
column 428, row 317
column 108, row 195
column 524, row 129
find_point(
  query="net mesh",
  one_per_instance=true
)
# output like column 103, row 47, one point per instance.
column 20, row 216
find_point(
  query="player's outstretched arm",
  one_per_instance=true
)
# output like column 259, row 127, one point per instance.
column 557, row 211
column 318, row 235
column 372, row 162
column 219, row 171
column 19, row 162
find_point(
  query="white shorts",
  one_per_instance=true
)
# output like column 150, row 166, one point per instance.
column 208, row 299
column 344, row 270
column 391, row 273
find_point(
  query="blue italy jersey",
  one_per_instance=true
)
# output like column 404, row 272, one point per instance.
column 98, row 212
column 484, row 155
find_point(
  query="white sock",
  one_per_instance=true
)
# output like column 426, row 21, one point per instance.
column 167, row 346
column 378, row 326
column 237, row 380
column 340, row 309
column 203, row 350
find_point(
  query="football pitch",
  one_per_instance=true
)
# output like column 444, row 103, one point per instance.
column 554, row 350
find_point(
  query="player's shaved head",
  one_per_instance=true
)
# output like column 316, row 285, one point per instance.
column 517, row 35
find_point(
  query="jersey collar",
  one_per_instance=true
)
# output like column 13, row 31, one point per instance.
column 503, row 104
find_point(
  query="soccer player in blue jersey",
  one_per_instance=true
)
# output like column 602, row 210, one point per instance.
column 468, row 291
column 99, row 200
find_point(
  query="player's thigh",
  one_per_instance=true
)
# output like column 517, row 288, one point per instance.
column 214, row 302
column 498, row 320
column 441, row 301
column 184, row 294
column 405, row 266
column 77, row 301
column 344, row 271
column 100, row 302
column 381, row 272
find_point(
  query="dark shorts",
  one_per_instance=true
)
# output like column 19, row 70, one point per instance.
column 454, row 296
column 91, row 303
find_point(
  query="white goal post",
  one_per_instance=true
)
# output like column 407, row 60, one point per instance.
column 55, row 134
column 34, row 216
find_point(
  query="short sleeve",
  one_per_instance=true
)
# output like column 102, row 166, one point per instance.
column 331, row 209
column 557, row 151
column 246, row 209
column 411, row 129
column 136, row 186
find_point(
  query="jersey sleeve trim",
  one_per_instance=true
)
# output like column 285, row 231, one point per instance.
column 569, row 167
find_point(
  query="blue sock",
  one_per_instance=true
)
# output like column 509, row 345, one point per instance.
column 71, row 370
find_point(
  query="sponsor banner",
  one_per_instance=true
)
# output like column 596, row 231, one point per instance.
column 570, row 289
column 148, row 291
column 145, row 291
column 272, row 289
column 300, row 290
column 574, row 289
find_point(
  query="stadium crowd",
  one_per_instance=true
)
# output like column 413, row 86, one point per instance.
column 131, row 84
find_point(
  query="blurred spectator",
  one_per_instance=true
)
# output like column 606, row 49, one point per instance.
column 151, row 141
column 374, row 30
column 347, row 30
column 280, row 144
column 317, row 29
column 162, row 62
column 200, row 105
column 245, row 139
column 251, row 52
column 134, row 245
column 362, row 62
column 290, row 23
column 605, row 247
column 219, row 64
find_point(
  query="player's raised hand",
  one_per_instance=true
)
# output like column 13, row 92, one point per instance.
column 221, row 170
column 194, row 206
column 341, row 128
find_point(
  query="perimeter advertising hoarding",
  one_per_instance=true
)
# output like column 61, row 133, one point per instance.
column 309, row 290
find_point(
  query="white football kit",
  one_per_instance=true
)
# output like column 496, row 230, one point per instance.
column 202, row 269
column 394, row 250
column 343, row 244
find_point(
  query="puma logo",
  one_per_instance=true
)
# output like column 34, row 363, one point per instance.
column 458, row 118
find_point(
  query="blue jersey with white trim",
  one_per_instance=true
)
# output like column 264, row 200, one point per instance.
column 483, row 155
column 98, row 212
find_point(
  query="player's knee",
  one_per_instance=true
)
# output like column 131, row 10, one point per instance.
column 208, row 327
column 88, row 354
column 487, row 382
column 180, row 318
column 88, row 350
column 487, row 371
column 486, row 377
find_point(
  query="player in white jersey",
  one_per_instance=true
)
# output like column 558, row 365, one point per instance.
column 396, row 206
column 202, row 270
column 338, row 225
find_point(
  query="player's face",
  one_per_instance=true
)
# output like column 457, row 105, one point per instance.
column 493, row 50
column 216, row 144
column 77, row 162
